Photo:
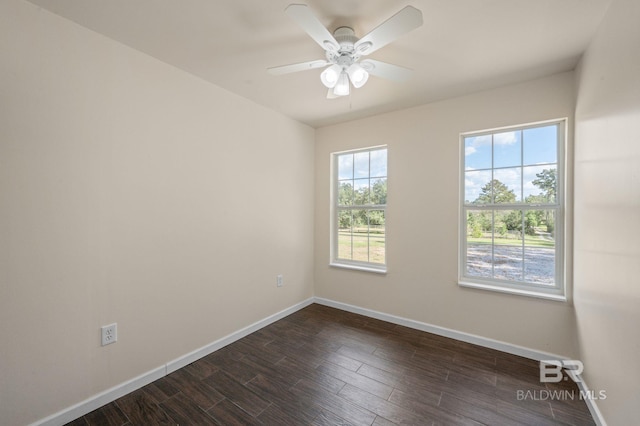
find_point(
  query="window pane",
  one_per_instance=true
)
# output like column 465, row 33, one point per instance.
column 378, row 191
column 361, row 165
column 345, row 166
column 507, row 185
column 507, row 240
column 379, row 163
column 539, row 251
column 345, row 193
column 477, row 152
column 377, row 236
column 345, row 221
column 502, row 244
column 360, row 236
column 361, row 192
column 479, row 253
column 506, row 149
column 540, row 184
column 360, row 233
column 540, row 145
column 477, row 187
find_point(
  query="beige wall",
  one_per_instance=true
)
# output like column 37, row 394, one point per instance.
column 422, row 218
column 607, row 213
column 132, row 192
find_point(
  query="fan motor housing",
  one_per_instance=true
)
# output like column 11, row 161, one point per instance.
column 345, row 56
column 346, row 37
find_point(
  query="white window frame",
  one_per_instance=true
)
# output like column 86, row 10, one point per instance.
column 545, row 291
column 335, row 210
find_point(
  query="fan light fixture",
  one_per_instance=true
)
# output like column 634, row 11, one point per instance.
column 342, row 88
column 357, row 75
column 343, row 50
column 337, row 78
column 329, row 77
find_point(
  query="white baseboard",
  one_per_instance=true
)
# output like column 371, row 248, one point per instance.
column 103, row 398
column 122, row 389
column 591, row 405
column 469, row 338
column 187, row 359
column 442, row 331
column 110, row 395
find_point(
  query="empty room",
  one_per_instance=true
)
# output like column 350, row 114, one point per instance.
column 330, row 212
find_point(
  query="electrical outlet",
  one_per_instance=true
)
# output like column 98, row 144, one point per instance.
column 109, row 334
column 279, row 280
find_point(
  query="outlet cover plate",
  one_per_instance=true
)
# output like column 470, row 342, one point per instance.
column 109, row 334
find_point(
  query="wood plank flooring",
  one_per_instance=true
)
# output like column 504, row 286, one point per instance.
column 323, row 366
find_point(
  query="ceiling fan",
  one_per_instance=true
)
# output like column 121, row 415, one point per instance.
column 343, row 50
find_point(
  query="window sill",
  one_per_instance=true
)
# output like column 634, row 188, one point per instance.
column 381, row 271
column 520, row 292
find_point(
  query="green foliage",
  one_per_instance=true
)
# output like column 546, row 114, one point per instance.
column 550, row 227
column 347, row 196
column 476, row 230
column 547, row 183
column 479, row 222
column 473, row 227
column 512, row 221
column 377, row 195
column 531, row 220
column 495, row 192
column 379, row 192
column 376, row 217
column 345, row 219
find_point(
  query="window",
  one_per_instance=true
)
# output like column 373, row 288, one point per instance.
column 512, row 210
column 359, row 199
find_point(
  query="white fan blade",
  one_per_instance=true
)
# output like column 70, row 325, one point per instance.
column 406, row 20
column 384, row 70
column 302, row 66
column 308, row 22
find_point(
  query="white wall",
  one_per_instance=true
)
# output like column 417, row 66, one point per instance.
column 607, row 213
column 132, row 192
column 422, row 218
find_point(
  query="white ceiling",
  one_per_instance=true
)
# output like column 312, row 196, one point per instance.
column 463, row 46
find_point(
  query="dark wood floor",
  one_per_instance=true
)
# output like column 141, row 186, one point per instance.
column 323, row 366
